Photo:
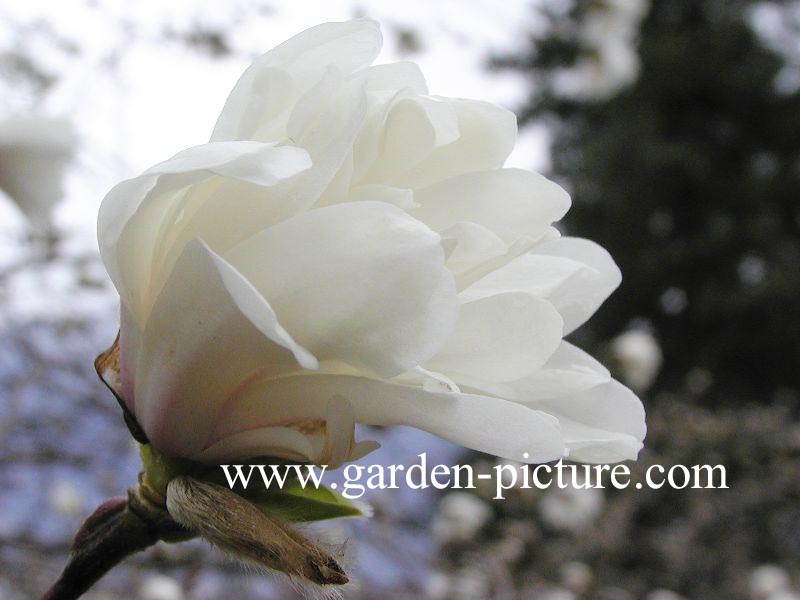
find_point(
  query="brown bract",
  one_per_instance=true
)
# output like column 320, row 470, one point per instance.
column 107, row 366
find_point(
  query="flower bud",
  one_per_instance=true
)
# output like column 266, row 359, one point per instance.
column 234, row 525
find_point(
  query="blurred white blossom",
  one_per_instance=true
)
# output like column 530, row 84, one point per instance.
column 34, row 153
column 609, row 60
column 66, row 499
column 752, row 270
column 639, row 357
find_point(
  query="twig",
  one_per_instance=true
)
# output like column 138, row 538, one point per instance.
column 118, row 528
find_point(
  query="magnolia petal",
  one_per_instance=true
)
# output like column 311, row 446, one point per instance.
column 413, row 128
column 600, row 422
column 401, row 75
column 338, row 189
column 512, row 203
column 136, row 213
column 260, row 163
column 253, row 162
column 430, row 381
column 326, row 110
column 324, row 122
column 361, row 282
column 597, row 421
column 274, row 82
column 506, row 429
column 581, row 295
column 347, row 46
column 468, row 277
column 487, row 134
column 368, row 143
column 340, row 424
column 469, row 245
column 208, row 332
column 594, row 445
column 278, row 442
column 573, row 274
column 538, row 275
column 500, row 338
column 401, row 198
column 568, row 370
column 329, row 443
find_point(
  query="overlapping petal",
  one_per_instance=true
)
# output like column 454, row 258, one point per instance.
column 413, row 141
column 209, row 331
column 260, row 102
column 324, row 123
column 512, row 203
column 500, row 338
column 483, row 423
column 138, row 214
column 575, row 275
column 602, row 424
column 328, row 442
column 360, row 282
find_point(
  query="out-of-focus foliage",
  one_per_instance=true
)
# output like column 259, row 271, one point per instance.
column 690, row 177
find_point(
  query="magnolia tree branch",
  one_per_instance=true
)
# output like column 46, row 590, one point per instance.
column 118, row 528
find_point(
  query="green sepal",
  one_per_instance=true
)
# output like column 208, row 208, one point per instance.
column 292, row 502
column 296, row 503
column 160, row 469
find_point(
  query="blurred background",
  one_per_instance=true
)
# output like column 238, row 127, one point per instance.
column 674, row 124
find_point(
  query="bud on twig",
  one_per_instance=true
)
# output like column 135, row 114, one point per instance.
column 234, row 525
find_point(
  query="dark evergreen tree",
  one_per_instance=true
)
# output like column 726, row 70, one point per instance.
column 690, row 177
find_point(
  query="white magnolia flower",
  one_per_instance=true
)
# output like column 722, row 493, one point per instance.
column 639, row 357
column 348, row 249
column 34, row 151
